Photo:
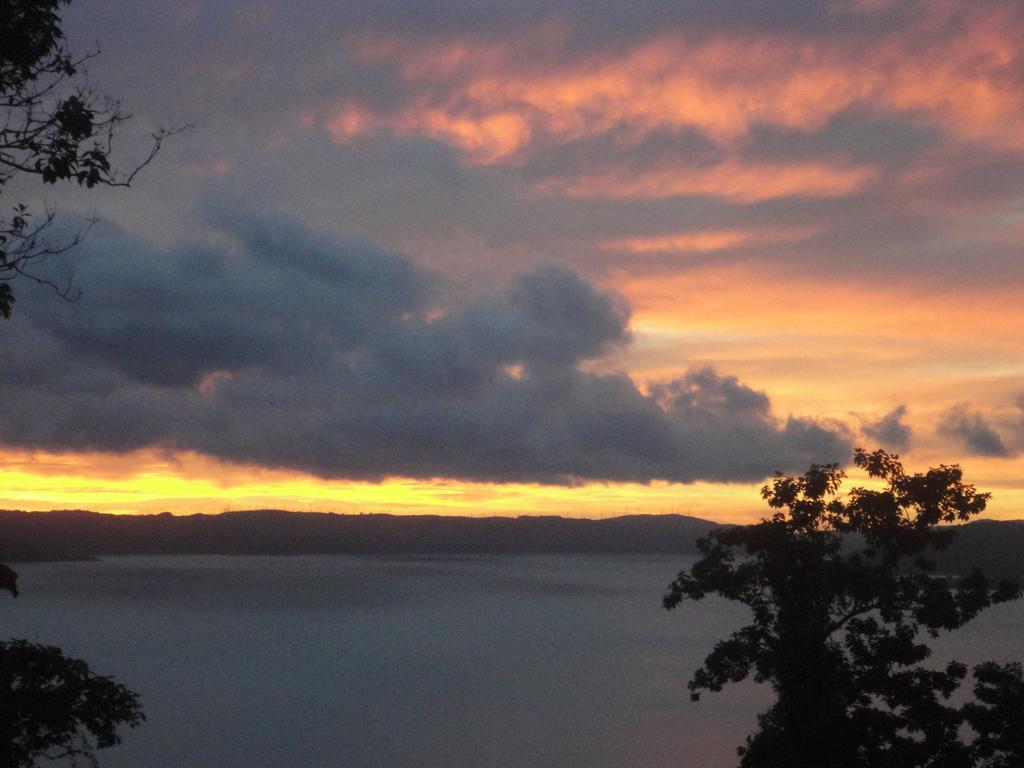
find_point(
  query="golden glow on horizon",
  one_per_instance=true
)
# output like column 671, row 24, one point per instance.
column 146, row 483
column 153, row 481
column 150, row 482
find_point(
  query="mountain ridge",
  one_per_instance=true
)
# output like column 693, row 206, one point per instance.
column 996, row 546
column 82, row 534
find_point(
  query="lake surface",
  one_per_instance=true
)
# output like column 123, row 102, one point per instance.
column 367, row 662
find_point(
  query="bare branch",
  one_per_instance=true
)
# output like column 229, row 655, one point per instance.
column 55, row 127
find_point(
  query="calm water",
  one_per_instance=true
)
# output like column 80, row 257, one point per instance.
column 355, row 662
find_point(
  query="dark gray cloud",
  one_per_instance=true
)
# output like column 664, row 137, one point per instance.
column 857, row 134
column 618, row 150
column 1017, row 427
column 282, row 347
column 972, row 431
column 889, row 431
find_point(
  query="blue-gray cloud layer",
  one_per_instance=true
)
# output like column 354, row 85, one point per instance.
column 285, row 348
column 890, row 431
column 972, row 431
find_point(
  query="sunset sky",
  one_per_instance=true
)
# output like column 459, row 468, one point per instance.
column 554, row 257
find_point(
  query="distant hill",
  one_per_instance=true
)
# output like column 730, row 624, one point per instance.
column 996, row 546
column 77, row 534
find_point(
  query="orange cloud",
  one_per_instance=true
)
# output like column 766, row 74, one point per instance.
column 684, row 242
column 208, row 383
column 496, row 99
column 746, row 296
column 828, row 347
column 703, row 241
column 219, row 167
column 733, row 181
column 348, row 121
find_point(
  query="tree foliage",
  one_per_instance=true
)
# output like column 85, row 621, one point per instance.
column 54, row 707
column 998, row 715
column 8, row 580
column 52, row 126
column 841, row 592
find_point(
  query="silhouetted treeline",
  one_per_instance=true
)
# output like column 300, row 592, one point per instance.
column 76, row 534
column 996, row 546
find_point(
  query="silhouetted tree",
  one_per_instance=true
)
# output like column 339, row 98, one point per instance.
column 51, row 126
column 54, row 707
column 54, row 127
column 998, row 715
column 8, row 580
column 841, row 590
